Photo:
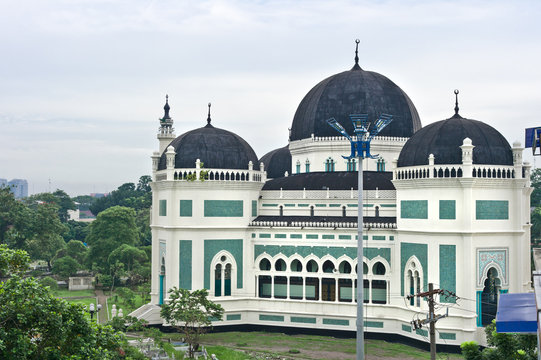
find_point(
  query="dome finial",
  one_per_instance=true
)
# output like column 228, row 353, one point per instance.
column 456, row 101
column 208, row 117
column 166, row 108
column 357, row 41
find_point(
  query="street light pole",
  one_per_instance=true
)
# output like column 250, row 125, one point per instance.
column 360, row 149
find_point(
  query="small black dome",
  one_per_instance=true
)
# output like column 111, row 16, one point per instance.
column 277, row 162
column 354, row 92
column 444, row 138
column 216, row 148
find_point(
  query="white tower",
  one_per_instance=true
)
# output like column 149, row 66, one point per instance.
column 166, row 132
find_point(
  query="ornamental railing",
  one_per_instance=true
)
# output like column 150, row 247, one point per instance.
column 454, row 171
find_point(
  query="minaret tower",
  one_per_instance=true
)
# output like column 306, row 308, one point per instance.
column 166, row 132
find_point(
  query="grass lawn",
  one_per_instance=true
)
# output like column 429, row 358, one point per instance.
column 68, row 293
column 85, row 302
column 120, row 304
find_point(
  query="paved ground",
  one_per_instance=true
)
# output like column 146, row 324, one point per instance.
column 102, row 315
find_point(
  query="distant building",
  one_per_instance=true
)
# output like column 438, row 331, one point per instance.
column 19, row 187
column 98, row 195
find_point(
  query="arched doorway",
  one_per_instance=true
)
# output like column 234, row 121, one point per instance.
column 489, row 296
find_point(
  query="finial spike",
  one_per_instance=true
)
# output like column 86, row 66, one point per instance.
column 208, row 117
column 166, row 109
column 456, row 101
column 357, row 41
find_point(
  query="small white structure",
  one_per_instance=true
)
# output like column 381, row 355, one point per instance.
column 81, row 283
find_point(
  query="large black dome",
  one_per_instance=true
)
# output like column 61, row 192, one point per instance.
column 444, row 138
column 353, row 92
column 277, row 162
column 216, row 148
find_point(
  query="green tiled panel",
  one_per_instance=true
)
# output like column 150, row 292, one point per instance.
column 289, row 205
column 377, row 237
column 447, row 209
column 328, row 237
column 406, row 328
column 407, row 250
column 233, row 316
column 253, row 235
column 320, row 251
column 492, row 210
column 269, row 205
column 448, row 271
column 447, row 336
column 414, row 209
column 280, row 236
column 254, row 207
column 391, row 238
column 163, row 208
column 334, row 205
column 421, row 332
column 264, row 236
column 304, row 320
column 311, row 236
column 344, row 237
column 388, row 205
column 321, row 205
column 335, row 322
column 185, row 208
column 302, row 205
column 212, row 247
column 353, row 205
column 374, row 324
column 295, row 236
column 223, row 208
column 271, row 317
column 368, row 205
column 185, row 264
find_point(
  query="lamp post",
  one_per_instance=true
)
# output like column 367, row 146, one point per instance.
column 360, row 149
column 92, row 310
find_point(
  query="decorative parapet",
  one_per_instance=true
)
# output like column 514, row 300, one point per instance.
column 327, row 194
column 453, row 171
column 321, row 224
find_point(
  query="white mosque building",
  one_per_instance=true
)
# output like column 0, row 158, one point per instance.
column 274, row 239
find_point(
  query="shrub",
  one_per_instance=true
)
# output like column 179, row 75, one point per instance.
column 65, row 266
column 50, row 282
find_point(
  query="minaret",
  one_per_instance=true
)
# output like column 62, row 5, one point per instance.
column 166, row 132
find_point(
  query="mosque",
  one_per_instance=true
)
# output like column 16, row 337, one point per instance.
column 274, row 240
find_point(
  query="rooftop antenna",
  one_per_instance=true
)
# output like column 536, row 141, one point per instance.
column 456, row 101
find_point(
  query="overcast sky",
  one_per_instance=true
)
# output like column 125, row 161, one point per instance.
column 83, row 83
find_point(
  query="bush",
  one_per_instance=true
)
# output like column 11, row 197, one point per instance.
column 50, row 282
column 65, row 266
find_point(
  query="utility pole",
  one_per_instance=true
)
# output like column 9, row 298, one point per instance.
column 431, row 318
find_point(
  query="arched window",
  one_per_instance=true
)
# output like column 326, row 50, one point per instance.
column 377, row 211
column 281, row 211
column 218, row 280
column 343, row 211
column 296, row 266
column 312, row 266
column 264, row 264
column 311, row 210
column 344, row 267
column 298, row 167
column 489, row 296
column 413, row 280
column 378, row 269
column 328, row 266
column 280, row 265
column 163, row 290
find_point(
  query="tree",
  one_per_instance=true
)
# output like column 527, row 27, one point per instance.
column 65, row 266
column 77, row 230
column 191, row 312
column 77, row 250
column 535, row 179
column 12, row 216
column 112, row 228
column 128, row 194
column 502, row 346
column 59, row 198
column 36, row 325
column 129, row 255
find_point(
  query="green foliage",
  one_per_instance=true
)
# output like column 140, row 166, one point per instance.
column 49, row 282
column 77, row 250
column 12, row 262
column 34, row 324
column 128, row 194
column 127, row 323
column 65, row 266
column 502, row 346
column 13, row 215
column 191, row 312
column 127, row 295
column 59, row 198
column 535, row 178
column 77, row 230
column 142, row 220
column 128, row 255
column 112, row 228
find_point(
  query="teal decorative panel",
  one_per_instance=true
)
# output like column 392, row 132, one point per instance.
column 280, row 236
column 302, row 205
column 212, row 247
column 320, row 251
column 421, row 332
column 407, row 250
column 491, row 209
column 223, row 208
column 447, row 209
column 289, row 205
column 448, row 271
column 254, row 208
column 489, row 256
column 328, row 237
column 185, row 264
column 334, row 205
column 263, row 317
column 414, row 209
column 447, row 336
column 353, row 205
column 253, row 235
column 163, row 208
column 374, row 324
column 344, row 237
column 406, row 328
column 391, row 238
column 321, row 205
column 264, row 236
column 311, row 236
column 185, row 208
column 388, row 205
column 305, row 320
column 233, row 317
column 295, row 236
column 269, row 205
column 368, row 205
column 340, row 322
column 377, row 237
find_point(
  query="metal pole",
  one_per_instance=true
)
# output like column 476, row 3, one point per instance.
column 360, row 264
column 432, row 322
